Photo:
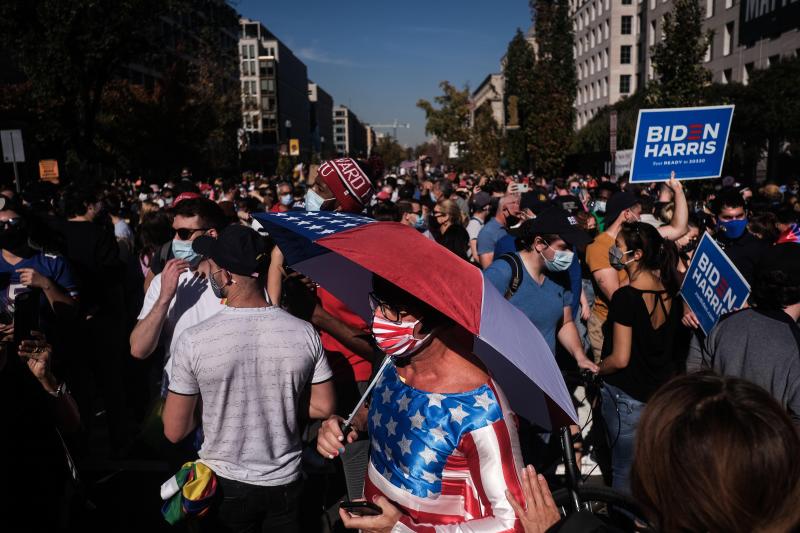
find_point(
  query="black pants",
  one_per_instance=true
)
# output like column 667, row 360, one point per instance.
column 245, row 508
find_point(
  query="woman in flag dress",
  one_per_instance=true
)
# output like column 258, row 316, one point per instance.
column 444, row 446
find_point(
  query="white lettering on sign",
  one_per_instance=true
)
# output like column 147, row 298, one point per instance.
column 670, row 141
column 712, row 287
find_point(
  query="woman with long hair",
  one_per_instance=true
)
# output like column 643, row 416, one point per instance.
column 451, row 232
column 638, row 355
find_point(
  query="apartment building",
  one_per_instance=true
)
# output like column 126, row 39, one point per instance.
column 349, row 134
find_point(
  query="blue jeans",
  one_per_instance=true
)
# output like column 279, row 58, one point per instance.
column 621, row 414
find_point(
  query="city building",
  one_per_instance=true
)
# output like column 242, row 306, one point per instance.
column 613, row 40
column 321, row 119
column 372, row 138
column 605, row 51
column 748, row 35
column 489, row 93
column 275, row 103
column 349, row 134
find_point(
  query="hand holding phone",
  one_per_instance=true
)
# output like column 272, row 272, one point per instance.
column 361, row 508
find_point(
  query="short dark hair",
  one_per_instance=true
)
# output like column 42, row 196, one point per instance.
column 386, row 212
column 76, row 201
column 720, row 450
column 727, row 197
column 208, row 211
column 394, row 295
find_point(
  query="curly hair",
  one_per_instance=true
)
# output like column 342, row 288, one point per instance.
column 775, row 289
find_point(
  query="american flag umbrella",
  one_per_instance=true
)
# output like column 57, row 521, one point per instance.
column 341, row 252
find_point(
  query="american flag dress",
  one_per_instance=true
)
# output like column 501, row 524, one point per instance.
column 445, row 460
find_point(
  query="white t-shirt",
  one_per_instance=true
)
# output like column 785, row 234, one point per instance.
column 250, row 367
column 474, row 227
column 194, row 301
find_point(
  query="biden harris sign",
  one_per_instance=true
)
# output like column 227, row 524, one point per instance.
column 689, row 141
column 713, row 286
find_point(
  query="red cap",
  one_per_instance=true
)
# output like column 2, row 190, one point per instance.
column 349, row 184
column 185, row 196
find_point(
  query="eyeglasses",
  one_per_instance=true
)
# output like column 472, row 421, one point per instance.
column 10, row 223
column 185, row 234
column 439, row 214
column 389, row 312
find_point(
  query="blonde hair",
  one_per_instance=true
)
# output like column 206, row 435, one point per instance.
column 451, row 209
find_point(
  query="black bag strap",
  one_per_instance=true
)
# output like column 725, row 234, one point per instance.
column 516, row 265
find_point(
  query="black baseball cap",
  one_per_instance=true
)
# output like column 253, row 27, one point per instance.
column 784, row 258
column 237, row 249
column 556, row 221
column 619, row 203
column 480, row 200
column 533, row 200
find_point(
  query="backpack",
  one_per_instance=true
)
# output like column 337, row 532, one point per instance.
column 516, row 265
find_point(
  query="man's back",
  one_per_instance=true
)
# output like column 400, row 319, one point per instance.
column 250, row 366
column 759, row 346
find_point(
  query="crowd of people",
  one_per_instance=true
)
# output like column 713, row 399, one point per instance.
column 129, row 302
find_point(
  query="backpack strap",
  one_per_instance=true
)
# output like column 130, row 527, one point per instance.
column 516, row 265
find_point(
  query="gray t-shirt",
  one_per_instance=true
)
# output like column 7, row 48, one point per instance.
column 250, row 367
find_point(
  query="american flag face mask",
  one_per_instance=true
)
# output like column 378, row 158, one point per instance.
column 396, row 340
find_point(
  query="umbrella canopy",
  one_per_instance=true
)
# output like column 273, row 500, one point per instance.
column 341, row 252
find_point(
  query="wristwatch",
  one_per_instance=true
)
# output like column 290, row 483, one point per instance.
column 60, row 391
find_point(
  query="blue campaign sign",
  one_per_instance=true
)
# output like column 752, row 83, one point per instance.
column 713, row 286
column 689, row 141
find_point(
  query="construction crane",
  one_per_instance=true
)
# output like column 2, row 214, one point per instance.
column 394, row 126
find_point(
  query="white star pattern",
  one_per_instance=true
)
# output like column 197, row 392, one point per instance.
column 388, row 452
column 483, row 401
column 438, row 433
column 405, row 446
column 435, row 399
column 376, row 419
column 430, row 477
column 390, row 426
column 428, row 455
column 403, row 402
column 387, row 395
column 417, row 420
column 327, row 232
column 315, row 227
column 458, row 414
column 386, row 473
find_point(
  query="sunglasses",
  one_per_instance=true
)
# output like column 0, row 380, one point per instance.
column 10, row 223
column 185, row 234
column 389, row 312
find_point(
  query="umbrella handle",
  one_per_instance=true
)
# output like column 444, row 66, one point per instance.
column 347, row 425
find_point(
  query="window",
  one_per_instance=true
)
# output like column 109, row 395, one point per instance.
column 252, row 48
column 605, row 86
column 726, row 76
column 594, row 12
column 267, row 86
column 627, row 2
column 771, row 60
column 599, row 35
column 591, row 65
column 605, row 30
column 709, row 52
column 625, row 84
column 747, row 71
column 709, row 8
column 591, row 39
column 651, row 39
column 244, row 51
column 727, row 44
column 605, row 58
column 625, row 54
column 728, row 4
column 599, row 7
column 607, row 5
column 627, row 25
column 652, row 4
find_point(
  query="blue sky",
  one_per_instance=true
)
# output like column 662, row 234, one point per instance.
column 379, row 57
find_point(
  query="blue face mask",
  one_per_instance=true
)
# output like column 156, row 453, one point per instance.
column 575, row 192
column 732, row 229
column 420, row 224
column 183, row 250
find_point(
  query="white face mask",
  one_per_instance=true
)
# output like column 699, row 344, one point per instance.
column 560, row 262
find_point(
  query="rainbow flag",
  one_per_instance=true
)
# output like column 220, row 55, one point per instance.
column 188, row 492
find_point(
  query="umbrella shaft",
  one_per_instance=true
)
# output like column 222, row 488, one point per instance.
column 349, row 422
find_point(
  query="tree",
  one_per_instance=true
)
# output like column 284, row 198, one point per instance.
column 519, row 99
column 678, row 59
column 450, row 122
column 554, row 87
column 486, row 141
column 390, row 151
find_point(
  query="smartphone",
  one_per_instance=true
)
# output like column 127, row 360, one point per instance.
column 26, row 315
column 523, row 187
column 361, row 508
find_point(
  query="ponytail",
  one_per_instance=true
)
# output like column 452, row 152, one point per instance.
column 658, row 253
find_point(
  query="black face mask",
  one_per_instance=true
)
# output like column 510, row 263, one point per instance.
column 511, row 220
column 13, row 239
column 592, row 232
